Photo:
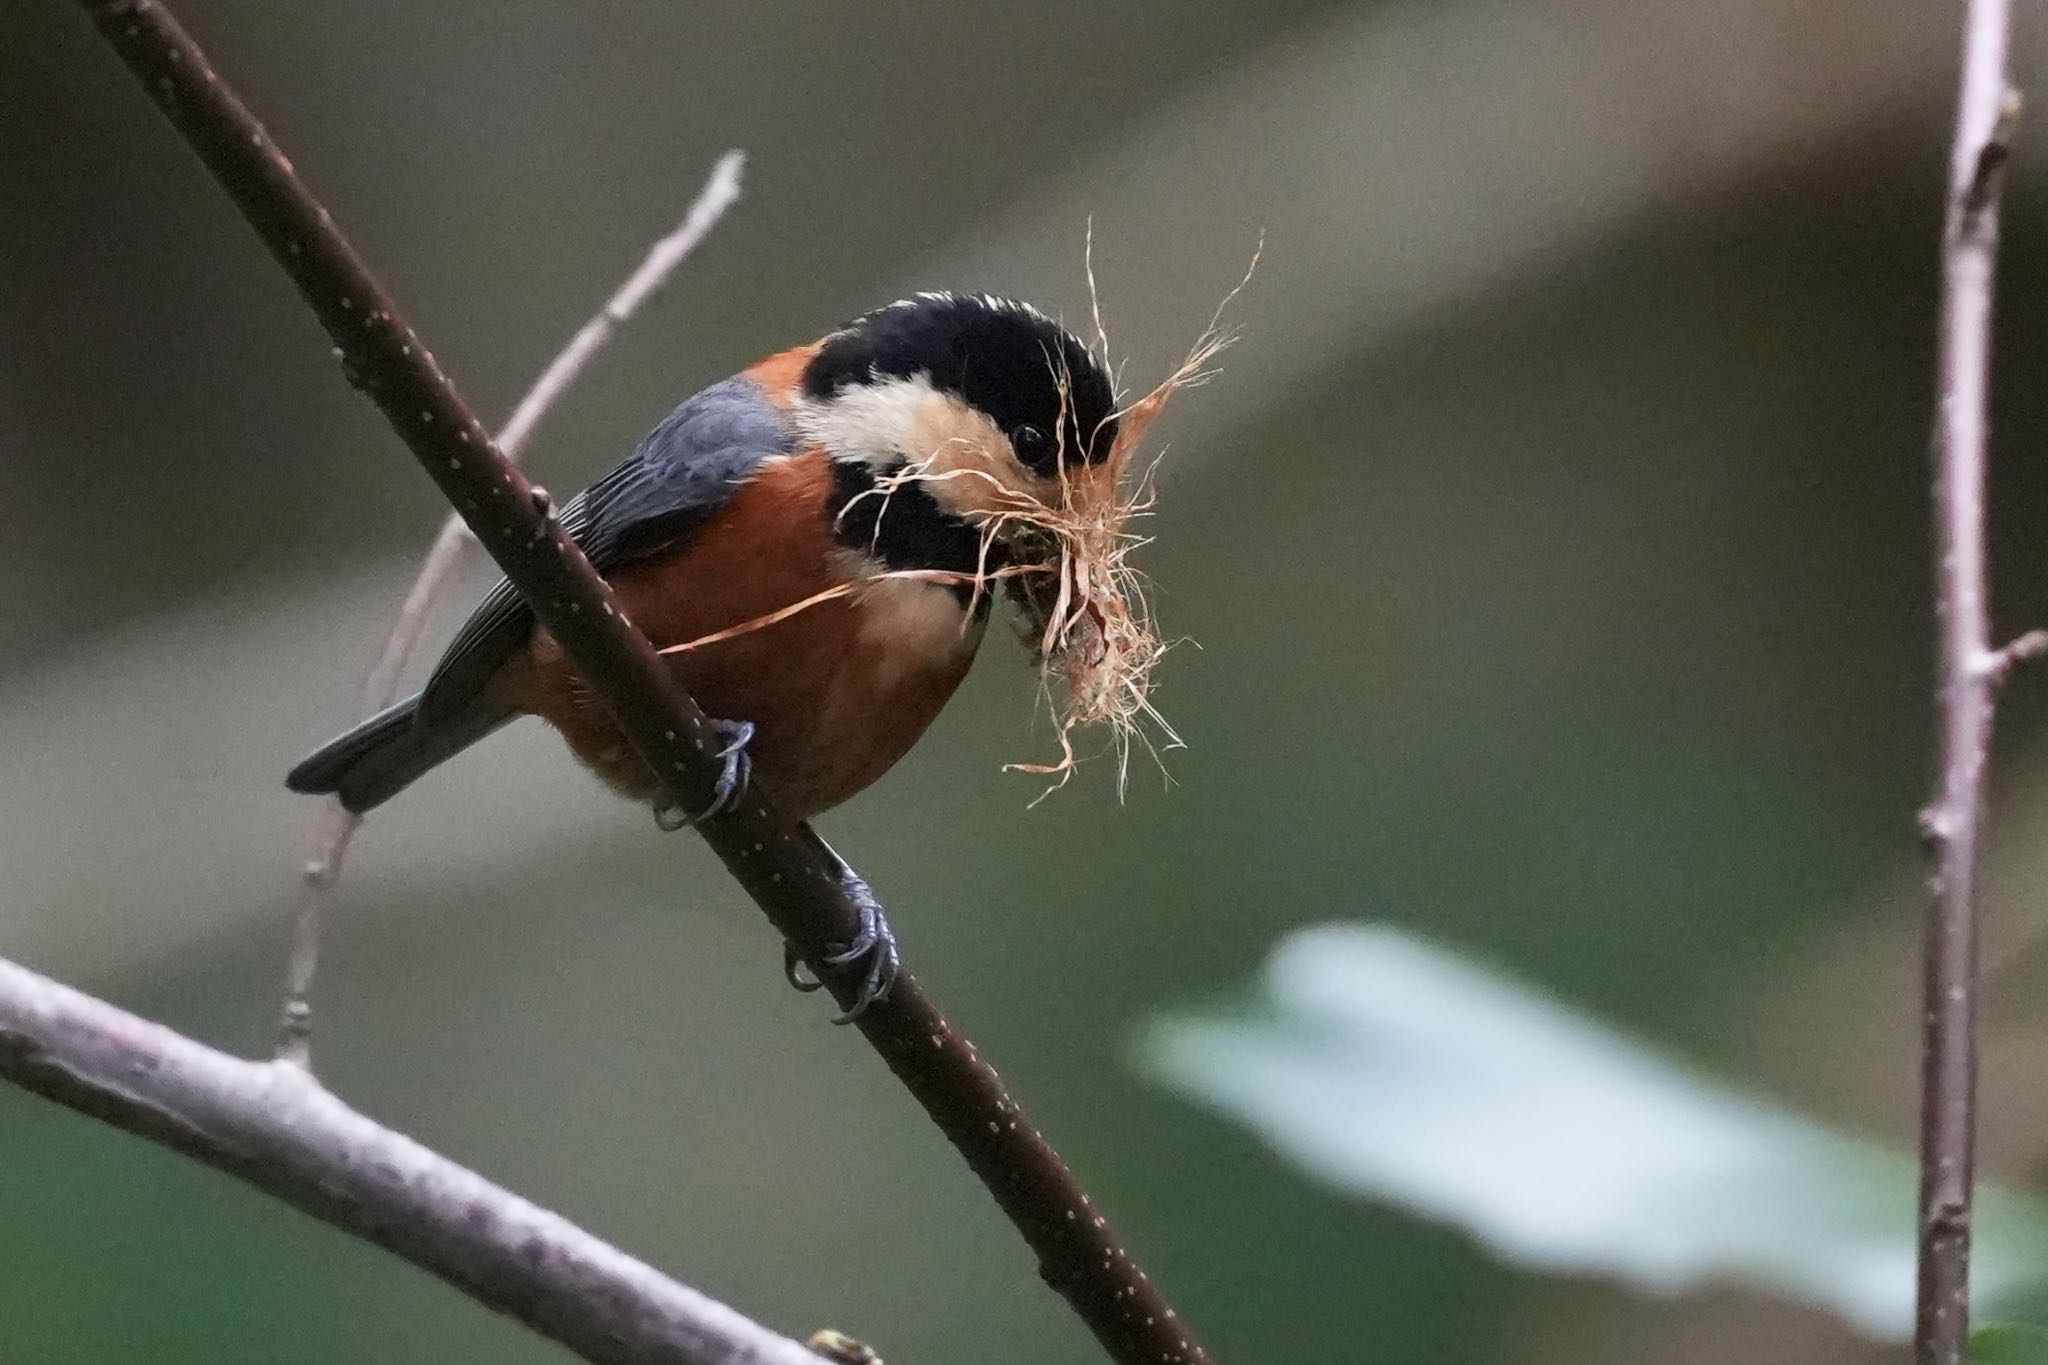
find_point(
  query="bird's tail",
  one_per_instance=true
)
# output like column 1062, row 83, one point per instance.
column 386, row 753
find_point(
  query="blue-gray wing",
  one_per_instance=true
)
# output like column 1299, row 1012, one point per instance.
column 673, row 482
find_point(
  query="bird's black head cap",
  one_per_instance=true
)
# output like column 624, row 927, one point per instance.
column 1037, row 381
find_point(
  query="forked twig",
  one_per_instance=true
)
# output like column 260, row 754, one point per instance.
column 335, row 827
column 797, row 881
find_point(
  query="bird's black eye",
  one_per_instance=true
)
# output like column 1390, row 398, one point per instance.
column 1033, row 446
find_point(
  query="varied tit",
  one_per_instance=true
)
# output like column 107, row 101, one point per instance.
column 764, row 491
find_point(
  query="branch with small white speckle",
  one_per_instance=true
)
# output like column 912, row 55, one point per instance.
column 800, row 885
column 336, row 825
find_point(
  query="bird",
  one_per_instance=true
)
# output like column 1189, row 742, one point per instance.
column 812, row 541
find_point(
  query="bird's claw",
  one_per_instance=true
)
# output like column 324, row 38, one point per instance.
column 738, row 766
column 873, row 943
column 793, row 971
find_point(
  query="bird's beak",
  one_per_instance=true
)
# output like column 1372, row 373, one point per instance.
column 1035, row 594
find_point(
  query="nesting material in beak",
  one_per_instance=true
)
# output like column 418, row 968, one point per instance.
column 1068, row 544
column 1092, row 625
column 1065, row 562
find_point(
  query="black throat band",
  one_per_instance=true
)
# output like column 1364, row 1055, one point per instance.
column 905, row 528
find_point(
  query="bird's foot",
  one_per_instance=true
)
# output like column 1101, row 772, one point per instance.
column 873, row 947
column 734, row 736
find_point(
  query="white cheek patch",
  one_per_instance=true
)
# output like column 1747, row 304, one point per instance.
column 871, row 422
column 953, row 449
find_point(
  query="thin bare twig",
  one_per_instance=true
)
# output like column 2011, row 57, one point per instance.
column 272, row 1125
column 336, row 826
column 1969, row 671
column 796, row 880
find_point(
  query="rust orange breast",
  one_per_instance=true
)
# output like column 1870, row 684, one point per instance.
column 838, row 692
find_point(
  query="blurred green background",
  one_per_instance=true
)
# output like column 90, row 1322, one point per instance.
column 1554, row 539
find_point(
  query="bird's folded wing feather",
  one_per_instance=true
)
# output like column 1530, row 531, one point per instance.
column 678, row 477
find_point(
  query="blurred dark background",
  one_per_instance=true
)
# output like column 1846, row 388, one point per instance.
column 1554, row 540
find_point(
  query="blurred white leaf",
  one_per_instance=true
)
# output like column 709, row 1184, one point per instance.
column 1396, row 1070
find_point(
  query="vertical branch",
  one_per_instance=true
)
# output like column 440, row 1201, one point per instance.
column 1968, row 673
column 336, row 825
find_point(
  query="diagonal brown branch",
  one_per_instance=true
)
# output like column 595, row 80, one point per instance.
column 272, row 1125
column 790, row 874
column 1969, row 672
column 336, row 826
